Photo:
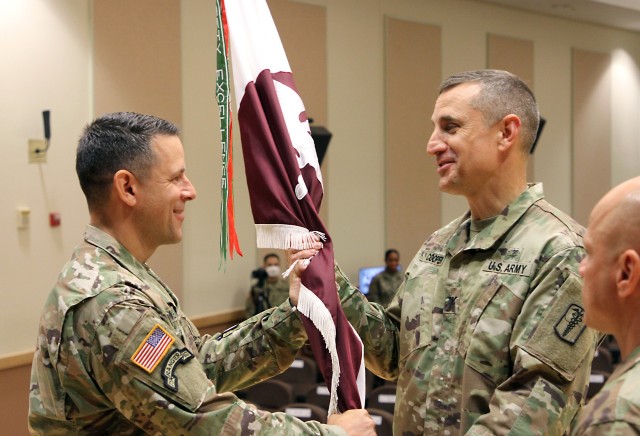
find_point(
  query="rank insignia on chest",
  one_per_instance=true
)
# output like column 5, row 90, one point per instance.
column 173, row 360
column 152, row 349
column 570, row 326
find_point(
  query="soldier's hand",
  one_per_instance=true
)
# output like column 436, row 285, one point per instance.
column 294, row 277
column 354, row 422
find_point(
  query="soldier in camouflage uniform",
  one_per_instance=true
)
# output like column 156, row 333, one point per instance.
column 611, row 294
column 274, row 291
column 115, row 353
column 385, row 284
column 485, row 334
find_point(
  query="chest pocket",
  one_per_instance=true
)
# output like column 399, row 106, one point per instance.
column 488, row 330
column 417, row 307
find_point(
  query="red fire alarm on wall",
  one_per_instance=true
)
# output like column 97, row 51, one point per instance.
column 54, row 219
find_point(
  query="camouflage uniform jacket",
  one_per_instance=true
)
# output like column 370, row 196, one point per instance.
column 384, row 286
column 116, row 355
column 275, row 292
column 615, row 410
column 485, row 336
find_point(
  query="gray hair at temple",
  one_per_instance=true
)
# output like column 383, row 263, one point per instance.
column 501, row 93
column 114, row 142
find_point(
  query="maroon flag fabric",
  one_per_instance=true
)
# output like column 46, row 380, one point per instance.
column 285, row 190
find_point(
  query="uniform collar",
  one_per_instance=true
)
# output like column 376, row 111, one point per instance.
column 108, row 243
column 488, row 237
column 122, row 256
column 632, row 360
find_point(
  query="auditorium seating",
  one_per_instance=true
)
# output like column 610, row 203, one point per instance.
column 383, row 420
column 383, row 398
column 301, row 376
column 306, row 412
column 269, row 395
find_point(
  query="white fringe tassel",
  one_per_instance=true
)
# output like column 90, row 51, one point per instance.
column 284, row 236
column 313, row 308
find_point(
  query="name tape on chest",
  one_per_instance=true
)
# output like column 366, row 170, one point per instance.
column 152, row 349
column 432, row 257
column 503, row 267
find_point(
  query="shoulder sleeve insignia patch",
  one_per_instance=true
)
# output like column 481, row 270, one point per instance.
column 152, row 349
column 570, row 326
column 173, row 360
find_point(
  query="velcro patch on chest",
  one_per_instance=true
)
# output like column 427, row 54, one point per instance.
column 503, row 267
column 570, row 326
column 152, row 349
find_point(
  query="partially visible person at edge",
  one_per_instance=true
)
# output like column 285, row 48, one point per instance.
column 485, row 334
column 115, row 353
column 270, row 291
column 611, row 294
column 385, row 284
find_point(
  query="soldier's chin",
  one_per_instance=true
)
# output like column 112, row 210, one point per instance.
column 449, row 187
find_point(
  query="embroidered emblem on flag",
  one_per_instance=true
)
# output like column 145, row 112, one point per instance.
column 152, row 349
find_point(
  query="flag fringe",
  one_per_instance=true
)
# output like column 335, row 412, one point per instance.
column 286, row 236
column 313, row 308
column 360, row 377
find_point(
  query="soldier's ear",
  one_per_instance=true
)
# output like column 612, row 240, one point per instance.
column 126, row 186
column 510, row 127
column 628, row 273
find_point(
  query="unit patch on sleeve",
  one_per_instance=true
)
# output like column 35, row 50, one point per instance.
column 152, row 349
column 570, row 326
column 173, row 360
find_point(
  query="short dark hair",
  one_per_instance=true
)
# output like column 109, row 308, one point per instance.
column 389, row 252
column 501, row 93
column 268, row 255
column 114, row 142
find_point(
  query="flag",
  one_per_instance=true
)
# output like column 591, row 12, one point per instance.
column 152, row 349
column 286, row 189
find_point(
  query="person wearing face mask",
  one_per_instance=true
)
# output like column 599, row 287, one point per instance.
column 271, row 289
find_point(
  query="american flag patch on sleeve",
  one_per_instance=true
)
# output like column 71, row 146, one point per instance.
column 152, row 349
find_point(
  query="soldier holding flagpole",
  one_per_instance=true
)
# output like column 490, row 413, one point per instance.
column 115, row 353
column 486, row 333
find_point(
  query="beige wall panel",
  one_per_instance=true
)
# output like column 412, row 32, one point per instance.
column 591, row 87
column 412, row 76
column 137, row 67
column 514, row 55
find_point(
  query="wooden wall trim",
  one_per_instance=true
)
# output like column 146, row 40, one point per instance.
column 15, row 360
column 216, row 319
column 202, row 322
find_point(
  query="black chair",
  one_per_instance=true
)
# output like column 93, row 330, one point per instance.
column 610, row 344
column 602, row 360
column 597, row 379
column 270, row 395
column 301, row 375
column 319, row 395
column 383, row 420
column 383, row 398
column 306, row 412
